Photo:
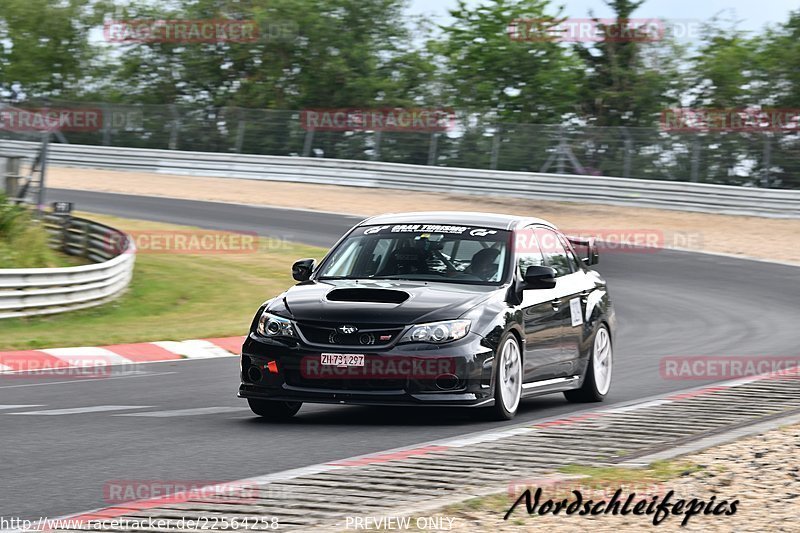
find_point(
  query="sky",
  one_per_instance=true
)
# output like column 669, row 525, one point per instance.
column 752, row 14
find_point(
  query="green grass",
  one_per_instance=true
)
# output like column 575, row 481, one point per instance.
column 172, row 297
column 23, row 241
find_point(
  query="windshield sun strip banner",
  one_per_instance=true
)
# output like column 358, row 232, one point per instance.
column 439, row 229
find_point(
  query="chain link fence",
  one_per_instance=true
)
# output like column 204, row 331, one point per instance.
column 757, row 159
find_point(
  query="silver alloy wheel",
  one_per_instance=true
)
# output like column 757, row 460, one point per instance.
column 510, row 375
column 602, row 361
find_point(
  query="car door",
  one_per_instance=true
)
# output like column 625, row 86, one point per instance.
column 569, row 302
column 580, row 285
column 542, row 323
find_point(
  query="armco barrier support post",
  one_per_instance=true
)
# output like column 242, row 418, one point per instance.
column 9, row 172
column 495, row 155
column 433, row 148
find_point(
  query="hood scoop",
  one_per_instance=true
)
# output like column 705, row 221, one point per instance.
column 378, row 296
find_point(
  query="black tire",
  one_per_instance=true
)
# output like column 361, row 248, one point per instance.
column 274, row 410
column 499, row 411
column 588, row 392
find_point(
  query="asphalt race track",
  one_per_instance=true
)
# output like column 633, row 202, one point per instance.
column 668, row 303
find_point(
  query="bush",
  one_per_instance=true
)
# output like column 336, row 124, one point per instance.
column 23, row 241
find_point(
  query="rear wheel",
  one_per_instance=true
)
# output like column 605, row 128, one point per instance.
column 598, row 371
column 274, row 410
column 507, row 380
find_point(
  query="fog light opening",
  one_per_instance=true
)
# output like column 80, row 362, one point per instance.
column 254, row 374
column 447, row 381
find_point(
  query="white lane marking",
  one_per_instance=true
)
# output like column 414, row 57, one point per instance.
column 139, row 374
column 80, row 410
column 742, row 381
column 87, row 355
column 635, row 407
column 287, row 475
column 21, row 406
column 194, row 349
column 486, row 437
column 187, row 412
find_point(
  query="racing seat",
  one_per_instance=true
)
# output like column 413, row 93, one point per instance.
column 483, row 263
column 406, row 260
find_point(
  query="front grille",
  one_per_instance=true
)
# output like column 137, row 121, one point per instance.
column 364, row 336
column 296, row 379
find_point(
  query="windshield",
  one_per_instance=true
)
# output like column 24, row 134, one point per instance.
column 425, row 252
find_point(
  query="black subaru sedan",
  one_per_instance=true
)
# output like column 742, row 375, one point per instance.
column 455, row 309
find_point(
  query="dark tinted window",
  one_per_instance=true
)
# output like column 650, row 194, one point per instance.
column 555, row 255
column 529, row 253
column 573, row 259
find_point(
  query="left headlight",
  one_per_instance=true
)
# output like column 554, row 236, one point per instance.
column 437, row 332
column 270, row 325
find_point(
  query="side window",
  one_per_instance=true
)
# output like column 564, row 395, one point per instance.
column 573, row 259
column 555, row 255
column 529, row 253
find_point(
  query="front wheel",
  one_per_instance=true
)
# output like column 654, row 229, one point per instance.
column 273, row 410
column 507, row 380
column 597, row 380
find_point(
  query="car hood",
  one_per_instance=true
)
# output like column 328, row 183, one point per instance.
column 379, row 301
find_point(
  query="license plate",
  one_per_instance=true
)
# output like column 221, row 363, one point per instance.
column 342, row 359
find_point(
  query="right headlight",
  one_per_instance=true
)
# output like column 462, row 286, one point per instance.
column 270, row 325
column 437, row 332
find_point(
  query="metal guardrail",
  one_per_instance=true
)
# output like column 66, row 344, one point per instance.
column 42, row 291
column 723, row 199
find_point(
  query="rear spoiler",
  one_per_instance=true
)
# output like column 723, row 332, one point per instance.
column 586, row 248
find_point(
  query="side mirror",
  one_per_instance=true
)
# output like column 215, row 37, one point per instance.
column 586, row 248
column 302, row 269
column 540, row 277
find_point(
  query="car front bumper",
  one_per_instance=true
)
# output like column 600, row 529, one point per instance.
column 454, row 374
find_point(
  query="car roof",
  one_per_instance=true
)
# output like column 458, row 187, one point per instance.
column 468, row 218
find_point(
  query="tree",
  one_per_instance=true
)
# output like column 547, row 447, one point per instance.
column 779, row 86
column 324, row 53
column 526, row 79
column 629, row 81
column 309, row 54
column 44, row 46
column 779, row 51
